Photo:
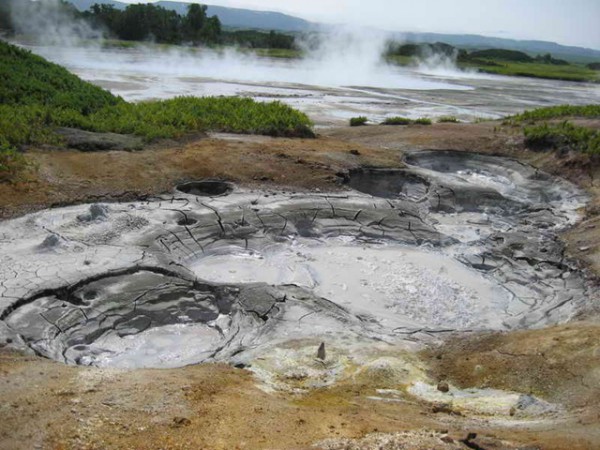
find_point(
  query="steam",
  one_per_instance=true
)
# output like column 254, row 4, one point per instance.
column 438, row 63
column 50, row 22
column 336, row 57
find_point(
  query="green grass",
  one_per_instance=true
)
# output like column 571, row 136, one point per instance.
column 423, row 121
column 27, row 79
column 406, row 121
column 571, row 72
column 397, row 121
column 358, row 121
column 563, row 137
column 401, row 60
column 557, row 112
column 11, row 163
column 448, row 119
column 278, row 53
column 36, row 97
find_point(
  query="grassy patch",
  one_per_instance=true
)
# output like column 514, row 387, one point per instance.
column 499, row 62
column 557, row 112
column 358, row 121
column 36, row 96
column 11, row 162
column 278, row 53
column 563, row 137
column 423, row 121
column 397, row 121
column 28, row 79
column 572, row 72
column 448, row 119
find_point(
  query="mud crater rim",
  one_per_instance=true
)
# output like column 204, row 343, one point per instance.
column 458, row 214
column 206, row 188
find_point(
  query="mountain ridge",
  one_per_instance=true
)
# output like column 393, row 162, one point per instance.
column 270, row 20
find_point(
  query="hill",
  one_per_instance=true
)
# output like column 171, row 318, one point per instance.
column 230, row 17
column 269, row 20
column 477, row 42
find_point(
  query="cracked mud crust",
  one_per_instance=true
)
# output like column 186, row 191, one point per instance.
column 535, row 388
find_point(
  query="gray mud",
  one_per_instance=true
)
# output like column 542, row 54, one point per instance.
column 456, row 241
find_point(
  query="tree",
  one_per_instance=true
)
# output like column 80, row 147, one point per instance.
column 194, row 24
column 211, row 32
column 5, row 19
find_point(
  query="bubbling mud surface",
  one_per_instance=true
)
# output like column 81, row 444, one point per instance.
column 456, row 241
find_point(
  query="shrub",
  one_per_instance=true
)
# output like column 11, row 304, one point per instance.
column 37, row 96
column 358, row 121
column 502, row 54
column 423, row 121
column 557, row 112
column 563, row 137
column 448, row 119
column 11, row 162
column 397, row 121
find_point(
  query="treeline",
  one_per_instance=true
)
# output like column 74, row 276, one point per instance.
column 483, row 57
column 146, row 21
column 137, row 22
column 258, row 39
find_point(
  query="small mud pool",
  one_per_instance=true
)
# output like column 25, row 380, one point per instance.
column 455, row 241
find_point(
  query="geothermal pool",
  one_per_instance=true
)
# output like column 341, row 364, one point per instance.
column 331, row 87
column 454, row 242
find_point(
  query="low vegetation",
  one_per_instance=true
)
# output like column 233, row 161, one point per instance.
column 406, row 121
column 397, row 121
column 358, row 121
column 563, row 137
column 495, row 61
column 448, row 119
column 36, row 97
column 423, row 121
column 557, row 112
column 571, row 72
column 550, row 129
column 11, row 162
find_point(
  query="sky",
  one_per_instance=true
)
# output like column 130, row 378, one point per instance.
column 570, row 22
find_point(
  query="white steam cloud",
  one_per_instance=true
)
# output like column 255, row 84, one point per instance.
column 51, row 23
column 344, row 56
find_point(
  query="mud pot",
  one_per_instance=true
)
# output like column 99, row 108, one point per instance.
column 455, row 241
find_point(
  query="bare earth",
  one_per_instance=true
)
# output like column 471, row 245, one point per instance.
column 45, row 404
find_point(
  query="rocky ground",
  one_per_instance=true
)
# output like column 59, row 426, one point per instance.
column 399, row 399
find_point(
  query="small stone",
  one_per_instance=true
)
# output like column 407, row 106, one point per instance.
column 321, row 352
column 443, row 387
column 584, row 249
column 181, row 421
column 447, row 439
column 354, row 152
column 512, row 411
